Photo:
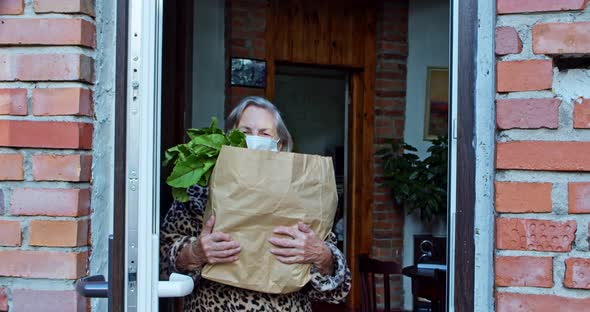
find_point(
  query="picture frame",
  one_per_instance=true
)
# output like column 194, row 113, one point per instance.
column 247, row 72
column 437, row 102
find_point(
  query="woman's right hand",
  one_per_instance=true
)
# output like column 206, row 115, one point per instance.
column 214, row 247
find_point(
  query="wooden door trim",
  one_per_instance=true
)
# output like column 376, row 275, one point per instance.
column 465, row 184
column 359, row 225
column 117, row 299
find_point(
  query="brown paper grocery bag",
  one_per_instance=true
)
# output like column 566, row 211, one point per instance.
column 252, row 192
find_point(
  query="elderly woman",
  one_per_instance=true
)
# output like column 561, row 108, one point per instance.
column 188, row 242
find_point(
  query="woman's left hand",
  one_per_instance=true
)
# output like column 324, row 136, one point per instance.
column 302, row 246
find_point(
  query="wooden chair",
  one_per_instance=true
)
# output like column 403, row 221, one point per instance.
column 368, row 268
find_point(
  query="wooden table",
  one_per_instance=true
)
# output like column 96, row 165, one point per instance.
column 428, row 284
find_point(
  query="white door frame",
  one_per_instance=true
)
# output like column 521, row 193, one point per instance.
column 143, row 155
column 452, row 169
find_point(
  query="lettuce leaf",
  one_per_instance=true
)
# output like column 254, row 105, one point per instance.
column 193, row 161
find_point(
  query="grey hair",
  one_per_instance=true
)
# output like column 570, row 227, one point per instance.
column 236, row 114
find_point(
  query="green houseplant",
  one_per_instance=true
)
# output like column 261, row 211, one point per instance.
column 419, row 185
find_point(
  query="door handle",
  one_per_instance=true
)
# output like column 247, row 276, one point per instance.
column 96, row 286
column 93, row 287
column 179, row 285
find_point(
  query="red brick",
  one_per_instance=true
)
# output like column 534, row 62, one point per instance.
column 44, row 31
column 45, row 134
column 383, row 84
column 65, row 6
column 383, row 234
column 243, row 91
column 527, row 113
column 579, row 197
column 43, row 264
column 582, row 115
column 382, row 122
column 3, row 300
column 561, row 38
column 535, row 235
column 10, row 233
column 577, row 273
column 382, row 197
column 543, row 155
column 63, row 101
column 524, row 271
column 46, row 67
column 12, row 7
column 393, row 26
column 13, row 102
column 526, row 6
column 237, row 23
column 238, row 42
column 75, row 168
column 240, row 52
column 507, row 41
column 247, row 33
column 50, row 202
column 58, row 233
column 398, row 47
column 530, row 75
column 382, row 225
column 397, row 94
column 382, row 243
column 391, row 66
column 48, row 300
column 11, row 167
column 517, row 197
column 384, row 132
column 390, row 75
column 390, row 103
column 514, row 302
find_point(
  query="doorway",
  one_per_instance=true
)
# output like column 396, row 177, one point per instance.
column 313, row 101
column 362, row 151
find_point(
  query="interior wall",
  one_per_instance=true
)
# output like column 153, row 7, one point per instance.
column 208, row 62
column 428, row 38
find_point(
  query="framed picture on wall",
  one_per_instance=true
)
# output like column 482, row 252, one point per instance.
column 248, row 73
column 437, row 103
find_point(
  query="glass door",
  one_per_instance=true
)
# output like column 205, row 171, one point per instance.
column 143, row 163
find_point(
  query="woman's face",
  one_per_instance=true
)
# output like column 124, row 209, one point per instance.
column 258, row 121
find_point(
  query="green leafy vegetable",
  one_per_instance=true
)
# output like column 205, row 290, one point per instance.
column 193, row 162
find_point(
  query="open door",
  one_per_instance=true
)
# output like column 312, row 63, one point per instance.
column 133, row 283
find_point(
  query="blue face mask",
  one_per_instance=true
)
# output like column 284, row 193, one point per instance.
column 262, row 143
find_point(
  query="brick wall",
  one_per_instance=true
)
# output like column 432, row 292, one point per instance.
column 542, row 198
column 46, row 131
column 390, row 95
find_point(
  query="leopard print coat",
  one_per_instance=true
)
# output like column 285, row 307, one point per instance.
column 182, row 225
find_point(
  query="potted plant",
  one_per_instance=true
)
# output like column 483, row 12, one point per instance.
column 418, row 185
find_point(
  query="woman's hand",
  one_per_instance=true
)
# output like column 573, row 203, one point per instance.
column 302, row 246
column 214, row 247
